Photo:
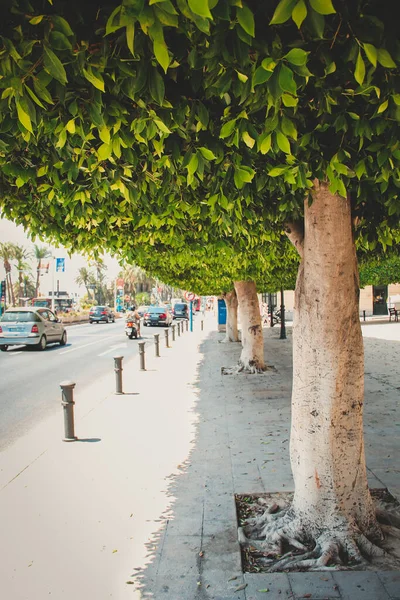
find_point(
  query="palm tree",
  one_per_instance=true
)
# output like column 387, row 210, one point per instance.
column 7, row 252
column 100, row 267
column 40, row 253
column 21, row 255
column 86, row 278
column 28, row 285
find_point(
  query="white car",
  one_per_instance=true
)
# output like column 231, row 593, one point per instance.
column 31, row 326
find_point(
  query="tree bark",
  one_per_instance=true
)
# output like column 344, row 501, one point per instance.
column 327, row 445
column 252, row 356
column 231, row 302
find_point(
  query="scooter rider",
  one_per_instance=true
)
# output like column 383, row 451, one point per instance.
column 133, row 315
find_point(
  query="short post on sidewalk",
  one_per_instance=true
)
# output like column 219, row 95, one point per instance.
column 166, row 338
column 187, row 325
column 141, row 356
column 363, row 315
column 67, row 402
column 173, row 332
column 157, row 343
column 179, row 329
column 202, row 325
column 118, row 374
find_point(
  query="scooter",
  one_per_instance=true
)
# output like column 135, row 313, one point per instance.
column 131, row 329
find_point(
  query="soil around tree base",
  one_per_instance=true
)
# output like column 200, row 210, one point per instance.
column 251, row 506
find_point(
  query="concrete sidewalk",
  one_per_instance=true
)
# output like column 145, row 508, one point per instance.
column 142, row 506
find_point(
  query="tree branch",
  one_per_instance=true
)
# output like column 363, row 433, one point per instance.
column 295, row 233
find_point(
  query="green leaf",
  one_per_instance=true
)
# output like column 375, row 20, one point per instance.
column 227, row 129
column 156, row 86
column 246, row 19
column 323, row 7
column 94, row 78
column 359, row 73
column 53, row 66
column 70, row 126
column 161, row 54
column 297, row 56
column 289, row 100
column 242, row 77
column 289, row 128
column 114, row 21
column 385, row 59
column 34, row 97
column 261, row 76
column 372, row 53
column 130, row 37
column 104, row 134
column 23, row 116
column 104, row 151
column 283, row 12
column 264, row 143
column 59, row 41
column 283, row 142
column 193, row 164
column 162, row 126
column 286, row 80
column 200, row 7
column 248, row 140
column 36, row 20
column 383, row 107
column 299, row 13
column 208, row 155
column 62, row 139
column 276, row 171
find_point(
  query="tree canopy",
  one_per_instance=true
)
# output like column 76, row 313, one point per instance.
column 130, row 123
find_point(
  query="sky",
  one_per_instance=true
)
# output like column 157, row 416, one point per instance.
column 9, row 232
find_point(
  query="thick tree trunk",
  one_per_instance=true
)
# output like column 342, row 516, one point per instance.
column 231, row 302
column 327, row 445
column 252, row 356
column 332, row 511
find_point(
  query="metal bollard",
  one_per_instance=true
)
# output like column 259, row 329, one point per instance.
column 179, row 329
column 187, row 325
column 118, row 374
column 173, row 332
column 363, row 315
column 157, row 343
column 182, row 326
column 166, row 338
column 67, row 402
column 141, row 356
column 201, row 325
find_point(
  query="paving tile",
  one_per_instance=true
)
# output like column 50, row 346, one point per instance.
column 277, row 584
column 360, row 585
column 391, row 582
column 319, row 585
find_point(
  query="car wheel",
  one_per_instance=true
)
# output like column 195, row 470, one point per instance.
column 3, row 348
column 63, row 340
column 91, row 322
column 43, row 343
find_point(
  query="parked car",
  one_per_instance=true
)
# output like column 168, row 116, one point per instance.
column 157, row 315
column 101, row 313
column 142, row 309
column 31, row 327
column 181, row 311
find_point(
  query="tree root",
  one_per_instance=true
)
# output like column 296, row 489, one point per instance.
column 288, row 544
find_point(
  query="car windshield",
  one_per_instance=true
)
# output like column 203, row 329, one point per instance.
column 157, row 309
column 97, row 308
column 180, row 307
column 21, row 316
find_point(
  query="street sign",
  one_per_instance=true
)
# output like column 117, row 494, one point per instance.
column 60, row 265
column 190, row 296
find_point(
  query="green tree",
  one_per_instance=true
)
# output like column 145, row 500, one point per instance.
column 40, row 253
column 86, row 278
column 7, row 254
column 22, row 256
column 131, row 124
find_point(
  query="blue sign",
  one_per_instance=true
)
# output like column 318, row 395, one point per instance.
column 60, row 265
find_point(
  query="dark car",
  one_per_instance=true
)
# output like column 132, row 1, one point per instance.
column 101, row 313
column 181, row 311
column 157, row 315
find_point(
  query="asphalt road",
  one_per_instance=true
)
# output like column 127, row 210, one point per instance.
column 29, row 379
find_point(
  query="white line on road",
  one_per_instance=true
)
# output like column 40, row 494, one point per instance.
column 90, row 344
column 112, row 349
